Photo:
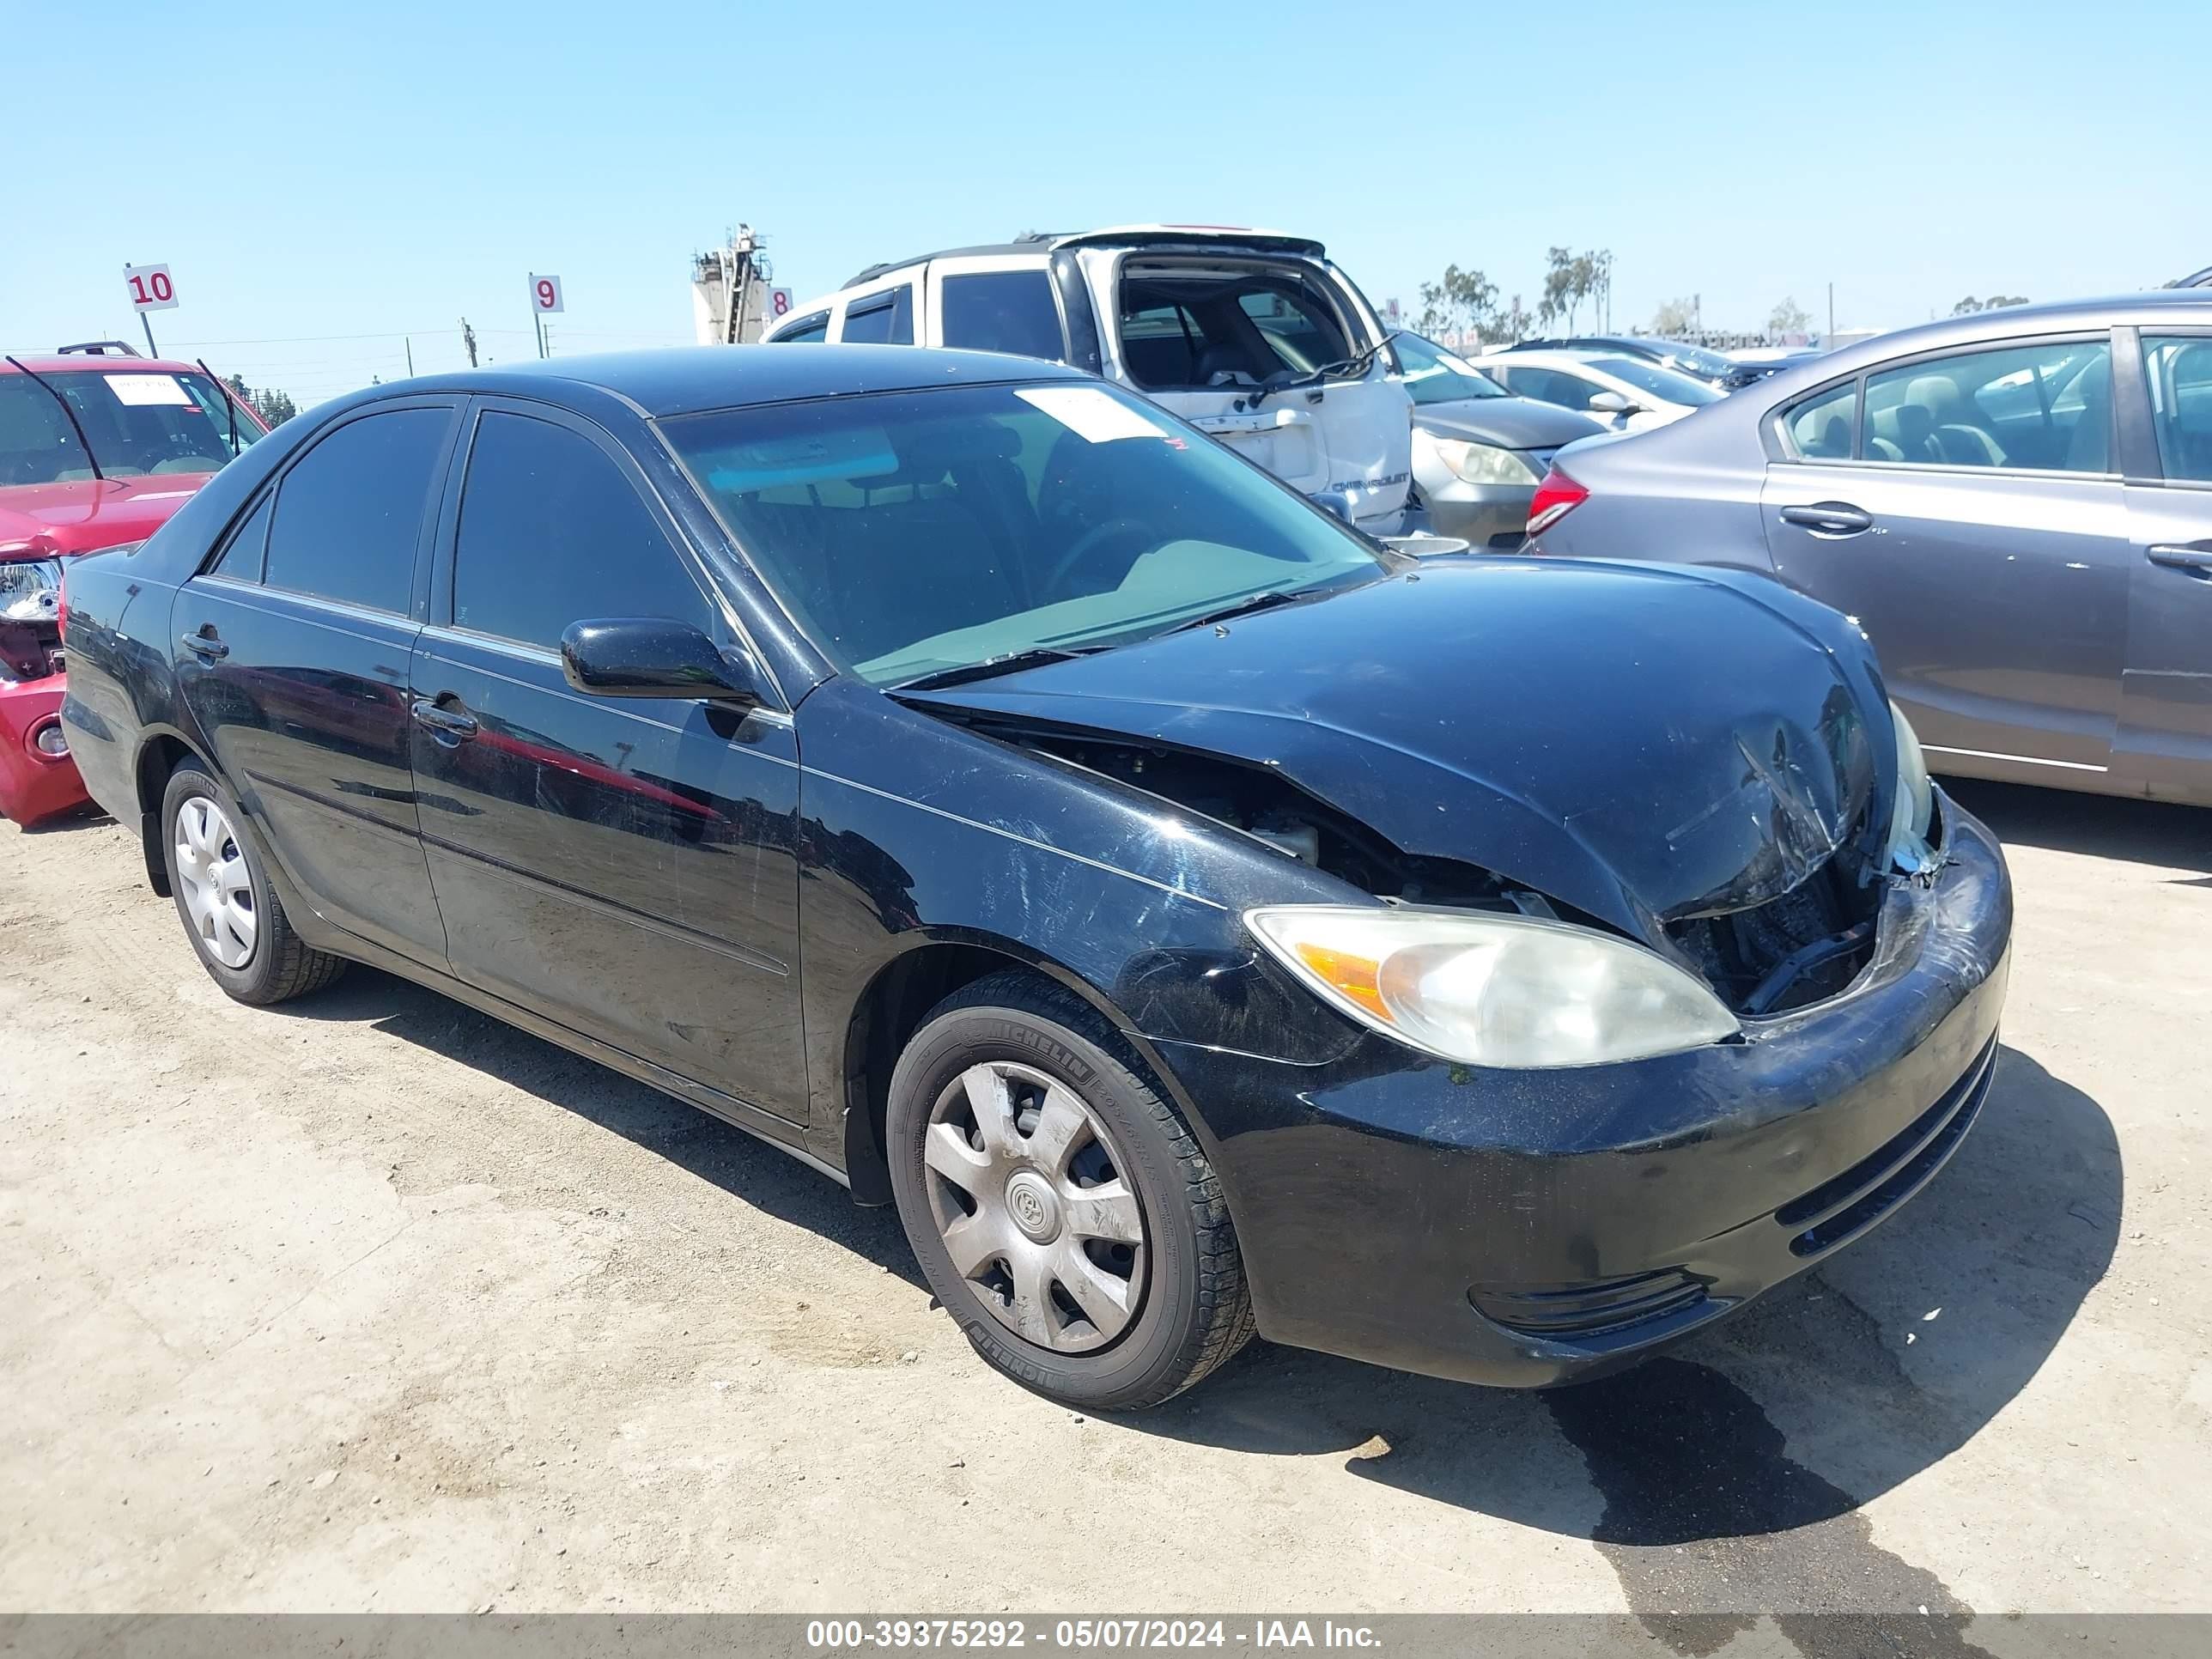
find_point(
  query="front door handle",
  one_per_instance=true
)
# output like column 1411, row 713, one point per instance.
column 205, row 646
column 2194, row 558
column 447, row 724
column 1829, row 517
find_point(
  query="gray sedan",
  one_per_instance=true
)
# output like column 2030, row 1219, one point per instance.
column 2016, row 506
column 1478, row 450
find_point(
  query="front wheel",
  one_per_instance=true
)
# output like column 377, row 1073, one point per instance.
column 237, row 926
column 1060, row 1209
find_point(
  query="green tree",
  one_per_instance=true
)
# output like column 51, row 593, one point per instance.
column 1461, row 301
column 1677, row 316
column 275, row 408
column 1789, row 317
column 1970, row 305
column 1570, row 280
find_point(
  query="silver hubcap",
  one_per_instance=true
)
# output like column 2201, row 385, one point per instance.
column 211, row 878
column 1028, row 1193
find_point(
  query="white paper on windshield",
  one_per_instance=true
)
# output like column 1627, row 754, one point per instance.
column 1089, row 413
column 148, row 389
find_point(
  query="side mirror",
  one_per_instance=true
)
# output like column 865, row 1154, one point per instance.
column 652, row 657
column 1610, row 403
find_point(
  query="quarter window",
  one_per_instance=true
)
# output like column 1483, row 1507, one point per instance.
column 881, row 318
column 552, row 533
column 350, row 513
column 241, row 556
column 1822, row 430
column 2179, row 368
column 2045, row 407
column 1003, row 311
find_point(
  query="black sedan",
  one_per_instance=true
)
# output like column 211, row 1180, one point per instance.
column 1193, row 915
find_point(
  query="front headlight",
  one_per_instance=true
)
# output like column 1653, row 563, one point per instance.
column 1485, row 463
column 30, row 590
column 1915, row 812
column 1493, row 990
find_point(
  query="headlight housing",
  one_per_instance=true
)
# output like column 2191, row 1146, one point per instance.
column 1485, row 463
column 1493, row 990
column 1914, row 814
column 30, row 590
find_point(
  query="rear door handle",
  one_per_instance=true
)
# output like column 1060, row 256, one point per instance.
column 1829, row 517
column 2194, row 558
column 204, row 645
column 447, row 725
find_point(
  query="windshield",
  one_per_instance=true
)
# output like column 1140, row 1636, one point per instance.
column 914, row 533
column 1433, row 375
column 1695, row 360
column 137, row 422
column 1661, row 383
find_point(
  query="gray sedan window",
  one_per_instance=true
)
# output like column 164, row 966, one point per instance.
column 2043, row 407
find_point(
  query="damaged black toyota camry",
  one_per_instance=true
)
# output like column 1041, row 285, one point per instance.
column 1194, row 916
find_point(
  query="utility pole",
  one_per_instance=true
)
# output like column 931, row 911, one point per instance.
column 1831, row 334
column 411, row 355
column 469, row 339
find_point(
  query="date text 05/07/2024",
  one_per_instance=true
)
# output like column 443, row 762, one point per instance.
column 831, row 1635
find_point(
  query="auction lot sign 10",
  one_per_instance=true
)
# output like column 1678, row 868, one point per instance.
column 151, row 289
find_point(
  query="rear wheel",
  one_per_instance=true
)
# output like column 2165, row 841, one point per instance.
column 1061, row 1209
column 237, row 926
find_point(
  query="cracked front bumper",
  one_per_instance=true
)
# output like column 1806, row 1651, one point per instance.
column 1529, row 1228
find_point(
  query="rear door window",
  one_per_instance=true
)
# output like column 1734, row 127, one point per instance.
column 552, row 533
column 1001, row 311
column 2042, row 407
column 812, row 331
column 349, row 514
column 880, row 319
column 2179, row 368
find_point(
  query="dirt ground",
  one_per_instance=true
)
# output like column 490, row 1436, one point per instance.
column 372, row 1302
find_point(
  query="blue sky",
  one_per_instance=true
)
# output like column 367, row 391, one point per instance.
column 371, row 171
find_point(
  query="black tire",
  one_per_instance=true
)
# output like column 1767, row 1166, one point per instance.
column 283, row 965
column 1194, row 1312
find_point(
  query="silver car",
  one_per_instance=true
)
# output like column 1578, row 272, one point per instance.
column 2016, row 505
column 1478, row 451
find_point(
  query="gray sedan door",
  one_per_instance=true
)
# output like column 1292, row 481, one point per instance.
column 2165, row 741
column 1978, row 531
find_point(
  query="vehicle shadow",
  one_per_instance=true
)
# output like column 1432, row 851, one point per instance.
column 1848, row 1367
column 2104, row 826
column 742, row 1166
column 1871, row 1369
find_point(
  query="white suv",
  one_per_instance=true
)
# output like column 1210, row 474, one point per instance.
column 1251, row 336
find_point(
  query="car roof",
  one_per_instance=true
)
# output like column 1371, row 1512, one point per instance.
column 2159, row 306
column 79, row 362
column 1041, row 242
column 685, row 380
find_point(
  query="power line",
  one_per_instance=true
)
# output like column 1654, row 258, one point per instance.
column 305, row 339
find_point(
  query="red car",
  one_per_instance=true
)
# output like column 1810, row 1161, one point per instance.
column 98, row 448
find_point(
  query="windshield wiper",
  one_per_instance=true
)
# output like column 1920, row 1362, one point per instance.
column 1347, row 367
column 76, row 425
column 991, row 667
column 1245, row 607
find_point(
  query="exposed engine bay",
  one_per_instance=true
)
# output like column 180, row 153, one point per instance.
column 29, row 650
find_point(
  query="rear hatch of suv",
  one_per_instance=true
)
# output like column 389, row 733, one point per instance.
column 1259, row 340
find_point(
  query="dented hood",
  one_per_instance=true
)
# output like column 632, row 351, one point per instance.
column 1644, row 744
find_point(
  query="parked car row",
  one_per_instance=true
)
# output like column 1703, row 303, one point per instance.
column 1194, row 915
